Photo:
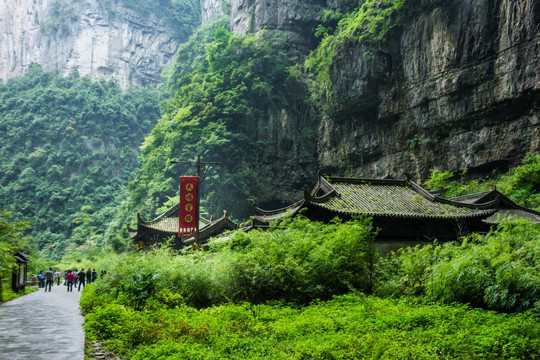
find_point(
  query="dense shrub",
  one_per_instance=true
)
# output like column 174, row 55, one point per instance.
column 299, row 260
column 296, row 260
column 347, row 327
column 247, row 297
column 497, row 271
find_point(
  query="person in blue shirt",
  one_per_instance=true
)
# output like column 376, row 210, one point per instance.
column 41, row 278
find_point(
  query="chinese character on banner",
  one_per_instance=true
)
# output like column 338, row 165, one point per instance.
column 188, row 205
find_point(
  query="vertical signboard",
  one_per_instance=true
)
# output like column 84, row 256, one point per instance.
column 188, row 206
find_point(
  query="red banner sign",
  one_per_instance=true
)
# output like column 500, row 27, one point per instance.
column 188, row 205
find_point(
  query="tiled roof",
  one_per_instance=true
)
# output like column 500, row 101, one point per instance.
column 167, row 224
column 266, row 216
column 388, row 198
column 505, row 213
column 505, row 206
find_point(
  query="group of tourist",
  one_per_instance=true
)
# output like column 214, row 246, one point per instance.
column 71, row 278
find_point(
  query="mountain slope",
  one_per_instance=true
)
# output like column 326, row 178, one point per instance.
column 68, row 146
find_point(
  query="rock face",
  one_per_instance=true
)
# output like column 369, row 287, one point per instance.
column 298, row 19
column 93, row 37
column 211, row 10
column 458, row 89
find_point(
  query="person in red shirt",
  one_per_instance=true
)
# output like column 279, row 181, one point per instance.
column 70, row 278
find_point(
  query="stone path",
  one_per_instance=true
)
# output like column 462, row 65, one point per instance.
column 42, row 325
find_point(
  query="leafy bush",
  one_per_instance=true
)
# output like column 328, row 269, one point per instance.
column 300, row 260
column 522, row 184
column 139, row 288
column 371, row 22
column 346, row 327
column 297, row 260
column 498, row 271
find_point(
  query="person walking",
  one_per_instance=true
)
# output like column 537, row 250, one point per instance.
column 89, row 276
column 94, row 275
column 81, row 278
column 41, row 279
column 58, row 275
column 49, row 277
column 70, row 278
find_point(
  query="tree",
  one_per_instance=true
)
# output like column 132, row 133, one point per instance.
column 12, row 240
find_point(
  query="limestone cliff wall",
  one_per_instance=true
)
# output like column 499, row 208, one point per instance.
column 93, row 37
column 211, row 10
column 296, row 18
column 458, row 89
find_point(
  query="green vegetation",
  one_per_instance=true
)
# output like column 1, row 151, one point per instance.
column 185, row 14
column 224, row 88
column 60, row 16
column 12, row 240
column 348, row 327
column 7, row 294
column 371, row 22
column 70, row 147
column 300, row 261
column 298, row 291
column 498, row 271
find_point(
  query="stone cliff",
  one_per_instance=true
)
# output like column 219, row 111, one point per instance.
column 456, row 88
column 94, row 37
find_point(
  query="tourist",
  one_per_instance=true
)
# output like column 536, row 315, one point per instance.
column 70, row 278
column 58, row 275
column 94, row 275
column 49, row 276
column 89, row 276
column 81, row 278
column 41, row 279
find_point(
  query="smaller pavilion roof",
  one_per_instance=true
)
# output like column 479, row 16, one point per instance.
column 21, row 258
column 167, row 225
column 506, row 207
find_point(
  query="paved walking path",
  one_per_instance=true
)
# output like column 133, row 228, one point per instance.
column 42, row 325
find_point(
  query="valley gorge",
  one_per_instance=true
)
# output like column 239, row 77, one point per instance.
column 453, row 86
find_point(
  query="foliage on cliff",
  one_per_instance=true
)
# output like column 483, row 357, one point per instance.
column 68, row 146
column 186, row 14
column 371, row 22
column 225, row 86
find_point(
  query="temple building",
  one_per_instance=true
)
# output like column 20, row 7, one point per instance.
column 401, row 209
column 504, row 207
column 166, row 226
